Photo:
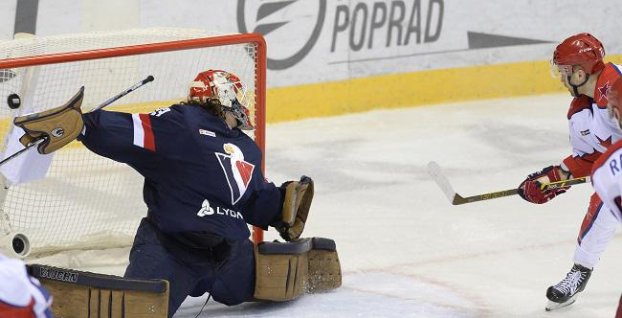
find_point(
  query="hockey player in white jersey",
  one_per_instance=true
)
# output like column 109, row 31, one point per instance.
column 607, row 172
column 578, row 60
column 21, row 296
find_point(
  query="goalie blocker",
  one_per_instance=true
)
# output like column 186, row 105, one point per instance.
column 284, row 271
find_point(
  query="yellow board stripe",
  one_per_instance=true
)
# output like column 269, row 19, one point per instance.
column 413, row 89
column 394, row 91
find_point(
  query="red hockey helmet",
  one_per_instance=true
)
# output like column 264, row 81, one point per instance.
column 225, row 89
column 581, row 49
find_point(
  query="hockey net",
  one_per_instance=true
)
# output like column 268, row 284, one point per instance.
column 81, row 200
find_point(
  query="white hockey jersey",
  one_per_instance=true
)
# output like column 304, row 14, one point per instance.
column 591, row 129
column 607, row 178
column 20, row 294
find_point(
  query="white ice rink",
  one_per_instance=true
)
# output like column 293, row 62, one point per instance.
column 405, row 251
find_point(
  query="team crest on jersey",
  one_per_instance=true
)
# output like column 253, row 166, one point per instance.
column 237, row 171
column 604, row 90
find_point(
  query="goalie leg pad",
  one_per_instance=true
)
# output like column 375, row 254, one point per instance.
column 324, row 266
column 284, row 271
column 85, row 294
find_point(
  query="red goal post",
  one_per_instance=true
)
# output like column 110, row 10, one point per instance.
column 56, row 212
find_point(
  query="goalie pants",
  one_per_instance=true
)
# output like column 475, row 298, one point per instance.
column 597, row 230
column 230, row 279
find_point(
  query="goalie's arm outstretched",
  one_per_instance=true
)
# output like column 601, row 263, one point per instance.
column 131, row 139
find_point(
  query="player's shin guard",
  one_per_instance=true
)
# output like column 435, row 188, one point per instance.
column 284, row 271
column 84, row 294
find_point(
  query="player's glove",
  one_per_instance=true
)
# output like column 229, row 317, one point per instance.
column 296, row 204
column 530, row 188
column 57, row 126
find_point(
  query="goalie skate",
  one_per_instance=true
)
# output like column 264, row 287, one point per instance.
column 565, row 292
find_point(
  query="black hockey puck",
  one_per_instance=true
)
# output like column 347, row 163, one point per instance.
column 14, row 101
column 18, row 245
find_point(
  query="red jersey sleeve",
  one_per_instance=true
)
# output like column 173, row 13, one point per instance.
column 581, row 166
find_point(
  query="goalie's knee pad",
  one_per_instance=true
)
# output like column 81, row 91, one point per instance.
column 285, row 271
column 84, row 294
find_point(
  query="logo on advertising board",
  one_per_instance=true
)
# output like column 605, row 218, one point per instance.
column 291, row 23
column 358, row 30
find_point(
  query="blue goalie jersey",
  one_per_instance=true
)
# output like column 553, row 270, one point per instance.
column 200, row 175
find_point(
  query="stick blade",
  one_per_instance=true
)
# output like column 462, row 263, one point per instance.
column 435, row 171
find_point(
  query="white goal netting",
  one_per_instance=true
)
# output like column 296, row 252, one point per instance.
column 81, row 200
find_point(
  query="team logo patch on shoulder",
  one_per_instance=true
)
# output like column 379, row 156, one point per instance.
column 603, row 90
column 237, row 171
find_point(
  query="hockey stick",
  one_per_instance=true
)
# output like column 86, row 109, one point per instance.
column 102, row 105
column 441, row 180
column 125, row 92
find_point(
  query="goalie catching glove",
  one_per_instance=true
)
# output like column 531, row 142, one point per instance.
column 296, row 204
column 57, row 126
column 531, row 190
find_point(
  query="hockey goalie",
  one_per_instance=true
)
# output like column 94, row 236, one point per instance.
column 202, row 185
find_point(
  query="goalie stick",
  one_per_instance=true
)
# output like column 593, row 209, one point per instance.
column 102, row 105
column 456, row 199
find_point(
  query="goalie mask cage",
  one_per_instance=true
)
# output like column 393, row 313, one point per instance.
column 85, row 201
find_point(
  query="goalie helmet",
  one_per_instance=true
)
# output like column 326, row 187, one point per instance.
column 224, row 89
column 581, row 49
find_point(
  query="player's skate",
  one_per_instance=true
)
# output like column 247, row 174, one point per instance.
column 565, row 292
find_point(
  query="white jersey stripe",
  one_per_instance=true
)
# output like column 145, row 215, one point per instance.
column 139, row 133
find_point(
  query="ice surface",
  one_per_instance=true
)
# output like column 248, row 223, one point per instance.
column 405, row 251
